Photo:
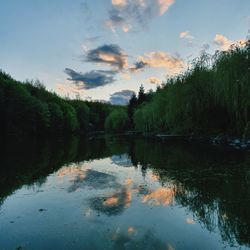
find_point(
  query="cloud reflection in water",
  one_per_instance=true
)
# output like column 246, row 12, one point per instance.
column 112, row 204
column 160, row 197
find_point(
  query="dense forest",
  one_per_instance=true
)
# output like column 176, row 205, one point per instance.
column 29, row 109
column 212, row 96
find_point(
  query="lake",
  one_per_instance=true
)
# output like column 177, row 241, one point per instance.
column 122, row 193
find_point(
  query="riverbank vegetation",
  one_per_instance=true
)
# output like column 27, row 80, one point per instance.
column 29, row 109
column 213, row 96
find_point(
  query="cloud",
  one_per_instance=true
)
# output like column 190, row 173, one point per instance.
column 126, row 76
column 186, row 35
column 159, row 197
column 126, row 28
column 85, row 47
column 119, row 2
column 225, row 44
column 91, row 79
column 83, row 178
column 138, row 66
column 121, row 97
column 154, row 80
column 131, row 238
column 126, row 14
column 66, row 89
column 190, row 221
column 164, row 5
column 159, row 59
column 113, row 204
column 111, row 55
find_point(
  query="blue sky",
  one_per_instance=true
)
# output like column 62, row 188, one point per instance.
column 108, row 46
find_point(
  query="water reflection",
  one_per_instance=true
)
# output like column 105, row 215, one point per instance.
column 190, row 221
column 112, row 204
column 122, row 160
column 116, row 181
column 144, row 240
column 93, row 179
column 159, row 197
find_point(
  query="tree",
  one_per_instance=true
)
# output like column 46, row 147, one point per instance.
column 28, row 108
column 131, row 107
column 2, row 108
column 82, row 112
column 117, row 121
column 141, row 95
column 70, row 119
column 56, row 117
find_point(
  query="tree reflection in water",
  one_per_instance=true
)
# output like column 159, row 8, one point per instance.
column 212, row 183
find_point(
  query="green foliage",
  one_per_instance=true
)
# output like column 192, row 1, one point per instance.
column 98, row 112
column 82, row 112
column 131, row 107
column 135, row 102
column 117, row 121
column 70, row 119
column 212, row 96
column 141, row 95
column 28, row 108
column 56, row 117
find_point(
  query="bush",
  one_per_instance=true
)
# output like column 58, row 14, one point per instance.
column 117, row 121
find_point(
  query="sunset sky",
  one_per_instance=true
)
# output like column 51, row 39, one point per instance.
column 105, row 49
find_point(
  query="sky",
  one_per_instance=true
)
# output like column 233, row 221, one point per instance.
column 105, row 49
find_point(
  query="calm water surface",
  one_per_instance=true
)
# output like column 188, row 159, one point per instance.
column 115, row 193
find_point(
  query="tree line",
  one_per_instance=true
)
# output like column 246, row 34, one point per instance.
column 212, row 96
column 28, row 108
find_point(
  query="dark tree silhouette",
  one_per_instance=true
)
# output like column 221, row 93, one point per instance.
column 141, row 95
column 29, row 109
column 131, row 107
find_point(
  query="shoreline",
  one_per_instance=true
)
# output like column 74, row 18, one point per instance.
column 222, row 140
column 218, row 140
